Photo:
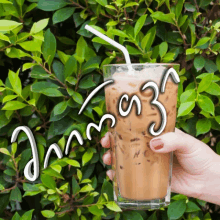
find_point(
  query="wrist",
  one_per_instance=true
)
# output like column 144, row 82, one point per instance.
column 211, row 189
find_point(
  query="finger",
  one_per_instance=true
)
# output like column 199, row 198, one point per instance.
column 180, row 142
column 105, row 141
column 107, row 159
column 110, row 174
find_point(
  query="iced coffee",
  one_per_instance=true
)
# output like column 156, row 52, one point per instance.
column 142, row 177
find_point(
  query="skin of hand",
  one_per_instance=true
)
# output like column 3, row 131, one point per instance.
column 196, row 167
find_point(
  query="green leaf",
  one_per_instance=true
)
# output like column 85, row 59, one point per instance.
column 176, row 209
column 3, row 119
column 51, row 5
column 70, row 67
column 7, row 25
column 79, row 174
column 39, row 73
column 179, row 7
column 16, row 53
column 46, row 88
column 130, row 215
column 15, row 82
column 86, row 181
column 111, row 23
column 58, row 69
column 71, row 80
column 102, row 2
column 185, row 108
column 20, row 2
column 153, row 216
column 62, row 14
column 27, row 215
column 210, row 66
column 91, row 64
column 179, row 197
column 168, row 18
column 14, row 148
column 207, row 216
column 39, row 86
column 182, row 20
column 86, row 188
column 163, row 47
column 49, row 46
column 48, row 213
column 199, row 62
column 111, row 7
column 206, row 104
column 16, row 216
column 113, row 206
column 118, row 33
column 39, row 26
column 201, row 202
column 202, row 41
column 188, row 96
column 4, row 37
column 4, row 151
column 130, row 4
column 213, row 89
column 139, row 24
column 192, row 207
column 133, row 50
column 63, row 57
column 77, row 19
column 60, row 108
column 28, row 66
column 148, row 39
column 203, row 126
column 218, row 62
column 31, row 45
column 52, row 92
column 87, row 82
column 73, row 163
column 16, row 195
column 205, row 83
column 5, row 2
column 2, row 89
column 99, row 29
column 48, row 181
column 87, row 156
column 190, row 7
column 96, row 211
column 14, row 105
column 81, row 48
column 77, row 97
column 190, row 51
column 31, row 7
column 75, row 186
column 9, row 98
column 214, row 79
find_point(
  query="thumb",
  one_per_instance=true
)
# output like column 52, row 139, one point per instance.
column 181, row 143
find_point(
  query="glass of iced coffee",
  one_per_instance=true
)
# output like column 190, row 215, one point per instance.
column 142, row 178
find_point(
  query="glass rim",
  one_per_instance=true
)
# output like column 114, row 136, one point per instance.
column 143, row 64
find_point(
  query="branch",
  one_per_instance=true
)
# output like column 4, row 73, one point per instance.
column 182, row 35
column 210, row 13
column 53, row 75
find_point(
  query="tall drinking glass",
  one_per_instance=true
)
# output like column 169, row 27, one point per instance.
column 142, row 178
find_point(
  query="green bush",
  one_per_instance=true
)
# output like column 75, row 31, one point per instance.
column 49, row 65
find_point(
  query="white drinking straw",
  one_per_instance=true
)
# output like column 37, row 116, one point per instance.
column 112, row 42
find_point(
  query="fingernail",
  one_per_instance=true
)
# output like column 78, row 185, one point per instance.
column 157, row 144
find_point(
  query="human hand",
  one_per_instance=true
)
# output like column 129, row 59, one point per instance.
column 196, row 167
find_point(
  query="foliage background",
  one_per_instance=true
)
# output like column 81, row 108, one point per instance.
column 49, row 64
